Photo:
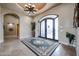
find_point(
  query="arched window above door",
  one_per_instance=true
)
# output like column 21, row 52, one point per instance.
column 49, row 16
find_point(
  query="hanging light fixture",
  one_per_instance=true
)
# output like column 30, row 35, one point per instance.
column 30, row 8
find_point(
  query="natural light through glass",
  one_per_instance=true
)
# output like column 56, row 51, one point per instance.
column 56, row 28
column 49, row 28
column 43, row 28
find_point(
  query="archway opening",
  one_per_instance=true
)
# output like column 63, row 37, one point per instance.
column 11, row 26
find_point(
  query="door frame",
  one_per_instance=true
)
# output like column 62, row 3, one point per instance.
column 46, row 28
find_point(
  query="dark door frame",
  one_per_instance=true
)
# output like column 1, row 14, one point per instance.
column 45, row 19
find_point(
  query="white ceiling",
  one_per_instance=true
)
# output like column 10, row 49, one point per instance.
column 17, row 8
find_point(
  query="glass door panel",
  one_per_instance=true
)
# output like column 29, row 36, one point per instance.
column 43, row 28
column 50, row 28
column 56, row 29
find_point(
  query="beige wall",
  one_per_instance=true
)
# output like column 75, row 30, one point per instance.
column 1, row 27
column 77, row 44
column 65, row 19
column 25, row 26
column 10, row 19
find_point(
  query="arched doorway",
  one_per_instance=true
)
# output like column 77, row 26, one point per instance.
column 49, row 27
column 11, row 26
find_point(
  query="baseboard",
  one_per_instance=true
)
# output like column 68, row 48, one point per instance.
column 24, row 37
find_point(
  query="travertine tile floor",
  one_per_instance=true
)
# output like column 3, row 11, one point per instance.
column 14, row 47
column 64, row 50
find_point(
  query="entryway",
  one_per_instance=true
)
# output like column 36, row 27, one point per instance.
column 49, row 27
column 11, row 26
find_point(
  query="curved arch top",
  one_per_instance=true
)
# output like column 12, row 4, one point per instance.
column 10, row 12
column 49, row 16
column 13, row 14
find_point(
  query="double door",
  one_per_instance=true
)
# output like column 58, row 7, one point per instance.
column 49, row 28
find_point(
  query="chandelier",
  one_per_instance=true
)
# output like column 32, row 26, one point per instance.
column 30, row 8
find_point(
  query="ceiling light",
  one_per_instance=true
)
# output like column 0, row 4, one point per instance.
column 30, row 8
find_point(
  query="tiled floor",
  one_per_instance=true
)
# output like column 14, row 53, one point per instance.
column 64, row 50
column 13, row 47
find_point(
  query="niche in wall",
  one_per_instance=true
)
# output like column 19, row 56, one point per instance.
column 10, row 26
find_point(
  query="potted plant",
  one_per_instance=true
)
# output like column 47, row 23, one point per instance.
column 70, row 36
